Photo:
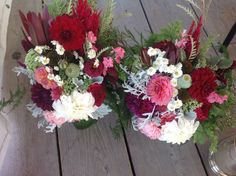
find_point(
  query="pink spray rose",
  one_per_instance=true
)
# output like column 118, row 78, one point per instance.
column 160, row 90
column 120, row 53
column 216, row 98
column 91, row 37
column 41, row 76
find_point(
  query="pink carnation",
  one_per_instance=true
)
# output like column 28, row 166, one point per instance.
column 52, row 119
column 183, row 41
column 91, row 37
column 160, row 90
column 216, row 98
column 41, row 76
column 151, row 129
column 108, row 63
column 120, row 53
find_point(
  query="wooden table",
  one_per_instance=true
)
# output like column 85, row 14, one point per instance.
column 94, row 151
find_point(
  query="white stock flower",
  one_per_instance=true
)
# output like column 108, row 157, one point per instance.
column 174, row 82
column 177, row 73
column 96, row 63
column 151, row 71
column 44, row 60
column 152, row 51
column 60, row 49
column 75, row 107
column 91, row 54
column 39, row 49
column 179, row 131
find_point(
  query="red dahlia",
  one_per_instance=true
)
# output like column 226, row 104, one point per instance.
column 203, row 83
column 98, row 92
column 41, row 97
column 91, row 70
column 69, row 32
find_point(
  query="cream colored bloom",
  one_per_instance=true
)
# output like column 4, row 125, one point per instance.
column 179, row 131
column 152, row 51
column 151, row 71
column 39, row 49
column 91, row 54
column 60, row 49
column 75, row 107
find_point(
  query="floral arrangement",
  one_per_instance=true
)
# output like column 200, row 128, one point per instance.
column 175, row 91
column 69, row 62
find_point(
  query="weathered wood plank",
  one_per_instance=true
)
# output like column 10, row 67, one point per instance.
column 220, row 19
column 153, row 157
column 30, row 151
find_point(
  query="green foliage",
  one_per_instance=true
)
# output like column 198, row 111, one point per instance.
column 87, row 83
column 191, row 105
column 59, row 7
column 30, row 60
column 83, row 124
column 106, row 19
column 73, row 70
column 219, row 62
column 14, row 100
column 69, row 86
column 171, row 32
column 93, row 4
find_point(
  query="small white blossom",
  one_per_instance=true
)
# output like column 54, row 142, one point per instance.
column 174, row 82
column 39, row 49
column 161, row 53
column 60, row 49
column 179, row 65
column 177, row 73
column 171, row 106
column 96, row 63
column 44, row 60
column 91, row 54
column 151, row 71
column 76, row 55
column 81, row 66
column 152, row 51
column 54, row 42
column 50, row 76
column 56, row 68
column 48, row 69
column 178, row 103
column 175, row 92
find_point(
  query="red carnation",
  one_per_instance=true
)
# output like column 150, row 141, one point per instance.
column 98, row 92
column 69, row 32
column 203, row 112
column 92, row 70
column 203, row 83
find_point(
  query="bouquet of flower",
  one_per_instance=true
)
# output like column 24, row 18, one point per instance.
column 72, row 53
column 174, row 90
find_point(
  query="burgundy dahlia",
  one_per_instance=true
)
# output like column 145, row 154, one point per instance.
column 203, row 112
column 203, row 83
column 92, row 70
column 41, row 97
column 99, row 93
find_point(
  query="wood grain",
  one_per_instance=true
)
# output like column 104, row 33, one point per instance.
column 152, row 157
column 30, row 151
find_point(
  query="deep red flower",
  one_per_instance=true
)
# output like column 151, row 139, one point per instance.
column 170, row 49
column 203, row 83
column 112, row 75
column 56, row 93
column 167, row 117
column 91, row 70
column 88, row 16
column 98, row 92
column 138, row 106
column 69, row 32
column 203, row 112
column 41, row 97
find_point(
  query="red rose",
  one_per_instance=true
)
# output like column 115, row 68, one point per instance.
column 170, row 49
column 69, row 32
column 203, row 83
column 91, row 70
column 203, row 112
column 98, row 92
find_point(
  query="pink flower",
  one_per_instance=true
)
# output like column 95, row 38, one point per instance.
column 52, row 119
column 56, row 93
column 160, row 90
column 120, row 53
column 216, row 98
column 150, row 129
column 108, row 63
column 183, row 41
column 91, row 37
column 41, row 76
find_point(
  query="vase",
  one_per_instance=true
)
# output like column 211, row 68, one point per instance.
column 83, row 124
column 223, row 162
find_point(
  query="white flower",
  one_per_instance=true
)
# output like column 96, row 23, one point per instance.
column 75, row 107
column 177, row 73
column 54, row 42
column 44, row 60
column 39, row 49
column 96, row 63
column 81, row 66
column 171, row 68
column 178, row 103
column 171, row 106
column 60, row 49
column 175, row 92
column 56, row 68
column 48, row 69
column 179, row 65
column 174, row 82
column 178, row 131
column 151, row 71
column 50, row 77
column 58, row 80
column 152, row 51
column 76, row 55
column 161, row 53
column 91, row 54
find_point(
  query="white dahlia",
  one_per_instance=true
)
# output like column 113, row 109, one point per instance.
column 177, row 132
column 75, row 107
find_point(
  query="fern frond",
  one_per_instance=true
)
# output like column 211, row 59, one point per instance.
column 70, row 7
column 187, row 10
column 57, row 7
column 93, row 4
column 107, row 18
column 194, row 51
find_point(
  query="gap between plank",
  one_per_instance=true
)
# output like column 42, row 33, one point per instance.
column 200, row 156
column 58, row 153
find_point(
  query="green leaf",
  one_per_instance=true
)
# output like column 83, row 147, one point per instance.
column 225, row 63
